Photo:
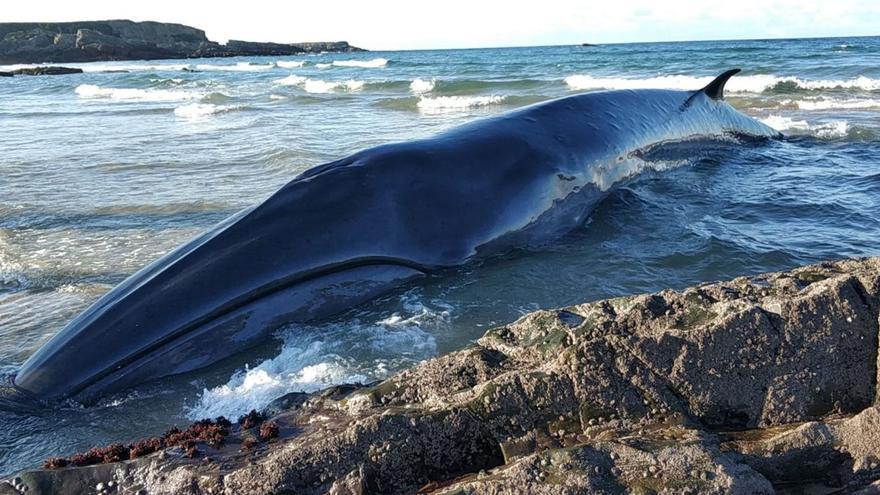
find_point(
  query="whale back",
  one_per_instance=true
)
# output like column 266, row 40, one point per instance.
column 382, row 216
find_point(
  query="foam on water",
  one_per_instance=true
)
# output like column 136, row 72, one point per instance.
column 739, row 84
column 202, row 110
column 319, row 86
column 239, row 67
column 830, row 104
column 290, row 64
column 824, row 130
column 366, row 64
column 314, row 357
column 135, row 94
column 419, row 85
column 291, row 80
column 447, row 103
column 323, row 65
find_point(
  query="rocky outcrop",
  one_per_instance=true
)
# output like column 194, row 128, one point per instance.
column 46, row 71
column 758, row 385
column 126, row 40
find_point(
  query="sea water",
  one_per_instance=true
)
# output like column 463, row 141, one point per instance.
column 103, row 172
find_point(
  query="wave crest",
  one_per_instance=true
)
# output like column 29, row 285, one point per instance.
column 321, row 86
column 290, row 64
column 134, row 94
column 314, row 357
column 741, row 84
column 419, row 85
column 831, row 104
column 239, row 67
column 202, row 110
column 366, row 64
column 824, row 130
column 445, row 103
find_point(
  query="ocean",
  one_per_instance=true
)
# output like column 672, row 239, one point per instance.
column 103, row 172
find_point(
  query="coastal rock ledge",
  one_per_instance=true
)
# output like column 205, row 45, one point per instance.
column 763, row 384
column 91, row 41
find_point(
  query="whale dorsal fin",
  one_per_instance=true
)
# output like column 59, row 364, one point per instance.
column 715, row 89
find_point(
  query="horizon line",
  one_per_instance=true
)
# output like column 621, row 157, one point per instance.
column 598, row 44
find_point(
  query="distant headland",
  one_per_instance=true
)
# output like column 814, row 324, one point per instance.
column 92, row 41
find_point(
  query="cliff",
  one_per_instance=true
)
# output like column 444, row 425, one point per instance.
column 127, row 40
column 763, row 384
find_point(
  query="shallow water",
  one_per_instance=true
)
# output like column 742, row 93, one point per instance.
column 103, row 172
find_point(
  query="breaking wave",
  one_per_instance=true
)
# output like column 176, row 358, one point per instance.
column 291, row 80
column 290, row 64
column 824, row 130
column 419, row 85
column 239, row 67
column 321, row 86
column 739, row 84
column 135, row 94
column 201, row 110
column 314, row 357
column 366, row 64
column 444, row 103
column 830, row 104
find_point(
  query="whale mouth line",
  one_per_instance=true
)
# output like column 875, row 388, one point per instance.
column 240, row 302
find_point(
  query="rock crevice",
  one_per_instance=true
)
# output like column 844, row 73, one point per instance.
column 757, row 385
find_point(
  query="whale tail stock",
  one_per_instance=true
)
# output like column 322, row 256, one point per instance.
column 715, row 89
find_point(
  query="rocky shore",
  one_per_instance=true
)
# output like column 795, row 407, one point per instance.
column 763, row 384
column 91, row 41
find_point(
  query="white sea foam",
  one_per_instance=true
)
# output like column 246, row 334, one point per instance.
column 239, row 67
column 290, row 64
column 291, row 80
column 202, row 110
column 135, row 94
column 277, row 97
column 366, row 64
column 419, row 85
column 825, row 130
column 447, row 103
column 829, row 104
column 174, row 80
column 312, row 358
column 319, row 86
column 739, row 84
column 323, row 65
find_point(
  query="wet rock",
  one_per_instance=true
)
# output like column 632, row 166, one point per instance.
column 755, row 385
column 285, row 402
column 46, row 71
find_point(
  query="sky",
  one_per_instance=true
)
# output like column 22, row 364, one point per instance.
column 397, row 25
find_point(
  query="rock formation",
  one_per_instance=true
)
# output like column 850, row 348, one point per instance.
column 126, row 40
column 762, row 384
column 45, row 71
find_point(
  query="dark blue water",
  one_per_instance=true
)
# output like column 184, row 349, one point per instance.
column 102, row 172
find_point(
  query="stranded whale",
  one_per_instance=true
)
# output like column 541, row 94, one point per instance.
column 345, row 232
